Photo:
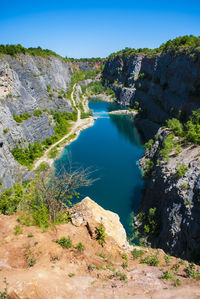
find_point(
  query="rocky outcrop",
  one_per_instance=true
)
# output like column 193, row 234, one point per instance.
column 89, row 213
column 163, row 85
column 176, row 199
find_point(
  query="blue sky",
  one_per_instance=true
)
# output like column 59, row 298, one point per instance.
column 96, row 28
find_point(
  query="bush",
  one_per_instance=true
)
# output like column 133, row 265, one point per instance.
column 149, row 165
column 149, row 144
column 37, row 112
column 137, row 253
column 167, row 146
column 52, row 153
column 65, row 243
column 191, row 271
column 80, row 247
column 150, row 260
column 176, row 126
column 100, row 233
column 10, row 199
column 19, row 119
column 181, row 170
column 167, row 275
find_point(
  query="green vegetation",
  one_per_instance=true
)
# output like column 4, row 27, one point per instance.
column 169, row 144
column 10, row 199
column 149, row 165
column 187, row 44
column 65, row 242
column 31, row 261
column 100, row 233
column 150, row 260
column 167, row 276
column 52, row 153
column 42, row 203
column 191, row 271
column 4, row 294
column 80, row 247
column 5, row 131
column 95, row 88
column 37, row 112
column 26, row 156
column 149, row 144
column 71, row 275
column 124, row 265
column 137, row 253
column 181, row 170
column 17, row 230
column 167, row 260
column 21, row 117
column 189, row 131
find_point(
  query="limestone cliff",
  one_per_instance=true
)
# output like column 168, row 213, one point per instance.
column 29, row 83
column 175, row 198
column 162, row 84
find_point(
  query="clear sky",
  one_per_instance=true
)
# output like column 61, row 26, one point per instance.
column 96, row 28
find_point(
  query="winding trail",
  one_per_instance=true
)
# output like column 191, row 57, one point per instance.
column 77, row 127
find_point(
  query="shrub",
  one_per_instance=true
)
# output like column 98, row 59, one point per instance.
column 149, row 165
column 150, row 260
column 52, row 153
column 149, row 144
column 181, row 170
column 17, row 230
column 125, row 256
column 5, row 131
column 37, row 112
column 10, row 199
column 31, row 261
column 176, row 126
column 191, row 271
column 4, row 294
column 121, row 275
column 80, row 247
column 65, row 242
column 100, row 233
column 124, row 265
column 137, row 253
column 167, row 146
column 167, row 275
column 167, row 260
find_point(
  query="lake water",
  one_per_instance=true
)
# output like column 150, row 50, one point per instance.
column 112, row 148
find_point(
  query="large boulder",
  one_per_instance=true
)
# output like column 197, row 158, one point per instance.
column 89, row 213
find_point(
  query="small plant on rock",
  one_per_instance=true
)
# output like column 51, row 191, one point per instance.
column 80, row 247
column 137, row 253
column 100, row 233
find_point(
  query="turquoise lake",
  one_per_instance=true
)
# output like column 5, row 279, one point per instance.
column 112, row 148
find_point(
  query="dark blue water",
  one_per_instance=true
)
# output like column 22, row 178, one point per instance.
column 112, row 147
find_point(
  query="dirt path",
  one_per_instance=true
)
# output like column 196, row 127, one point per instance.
column 77, row 127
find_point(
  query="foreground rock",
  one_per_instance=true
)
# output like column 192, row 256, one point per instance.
column 89, row 213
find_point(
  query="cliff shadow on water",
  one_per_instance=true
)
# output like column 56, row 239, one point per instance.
column 112, row 147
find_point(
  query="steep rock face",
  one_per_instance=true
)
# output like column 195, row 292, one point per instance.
column 29, row 83
column 163, row 85
column 176, row 199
